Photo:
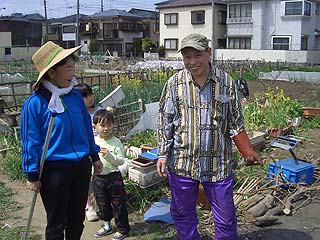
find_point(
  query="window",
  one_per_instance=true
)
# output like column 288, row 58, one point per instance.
column 7, row 51
column 171, row 44
column 304, row 43
column 280, row 43
column 222, row 43
column 240, row 10
column 171, row 19
column 107, row 30
column 307, row 9
column 239, row 43
column 156, row 25
column 69, row 29
column 130, row 27
column 222, row 17
column 197, row 17
column 129, row 47
column 293, row 8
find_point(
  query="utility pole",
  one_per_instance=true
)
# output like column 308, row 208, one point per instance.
column 46, row 17
column 77, row 27
column 212, row 36
column 101, row 5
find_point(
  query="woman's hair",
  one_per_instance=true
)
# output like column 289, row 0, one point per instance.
column 84, row 89
column 103, row 116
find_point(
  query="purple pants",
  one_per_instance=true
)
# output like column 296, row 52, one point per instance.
column 184, row 191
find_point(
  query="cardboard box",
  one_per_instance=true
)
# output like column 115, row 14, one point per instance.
column 145, row 179
column 293, row 171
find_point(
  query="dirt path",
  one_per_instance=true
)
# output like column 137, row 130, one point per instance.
column 303, row 225
column 23, row 197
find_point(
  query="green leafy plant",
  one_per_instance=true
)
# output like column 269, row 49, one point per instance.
column 140, row 199
column 311, row 123
column 11, row 163
column 147, row 137
column 271, row 109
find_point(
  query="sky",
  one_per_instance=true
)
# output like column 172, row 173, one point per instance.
column 62, row 8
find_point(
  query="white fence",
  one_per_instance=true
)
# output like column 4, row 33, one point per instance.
column 268, row 55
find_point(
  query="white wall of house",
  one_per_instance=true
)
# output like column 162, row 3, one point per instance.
column 268, row 55
column 25, row 53
column 17, row 53
column 5, row 38
column 184, row 26
column 128, row 38
column 269, row 20
column 85, row 45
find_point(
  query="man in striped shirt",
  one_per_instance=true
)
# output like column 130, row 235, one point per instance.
column 199, row 116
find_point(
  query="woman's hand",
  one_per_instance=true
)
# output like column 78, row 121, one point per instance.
column 34, row 186
column 97, row 168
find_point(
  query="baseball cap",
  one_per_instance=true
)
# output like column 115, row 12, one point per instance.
column 196, row 41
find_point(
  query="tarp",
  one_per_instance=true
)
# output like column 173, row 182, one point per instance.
column 159, row 211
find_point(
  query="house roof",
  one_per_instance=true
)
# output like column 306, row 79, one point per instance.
column 184, row 3
column 67, row 19
column 143, row 13
column 113, row 13
column 35, row 17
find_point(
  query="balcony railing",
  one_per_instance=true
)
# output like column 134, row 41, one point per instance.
column 239, row 20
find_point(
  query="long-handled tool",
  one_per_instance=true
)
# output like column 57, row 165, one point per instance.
column 43, row 158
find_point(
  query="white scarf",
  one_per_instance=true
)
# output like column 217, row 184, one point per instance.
column 55, row 103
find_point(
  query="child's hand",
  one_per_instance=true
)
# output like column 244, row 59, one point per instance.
column 104, row 150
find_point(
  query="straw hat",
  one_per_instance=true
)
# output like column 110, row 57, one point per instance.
column 48, row 56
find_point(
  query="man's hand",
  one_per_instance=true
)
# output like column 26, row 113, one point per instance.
column 97, row 168
column 244, row 146
column 162, row 167
column 34, row 186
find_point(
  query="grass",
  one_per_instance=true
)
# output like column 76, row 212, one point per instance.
column 7, row 206
column 10, row 163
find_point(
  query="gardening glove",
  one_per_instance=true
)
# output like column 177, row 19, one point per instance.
column 244, row 146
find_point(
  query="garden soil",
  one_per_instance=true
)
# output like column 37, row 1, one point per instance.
column 304, row 224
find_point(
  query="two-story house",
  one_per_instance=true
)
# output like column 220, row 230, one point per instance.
column 273, row 30
column 116, row 31
column 181, row 17
column 20, row 36
column 63, row 30
column 150, row 23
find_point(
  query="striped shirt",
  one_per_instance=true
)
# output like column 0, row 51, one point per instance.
column 196, row 125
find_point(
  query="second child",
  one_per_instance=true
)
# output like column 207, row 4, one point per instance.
column 108, row 187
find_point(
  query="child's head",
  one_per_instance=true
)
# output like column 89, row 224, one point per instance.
column 87, row 94
column 103, row 121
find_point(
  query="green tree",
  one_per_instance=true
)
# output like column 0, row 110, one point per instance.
column 161, row 51
column 136, row 47
column 146, row 44
column 93, row 46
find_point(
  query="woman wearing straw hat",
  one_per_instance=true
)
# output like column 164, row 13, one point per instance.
column 71, row 151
